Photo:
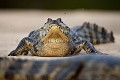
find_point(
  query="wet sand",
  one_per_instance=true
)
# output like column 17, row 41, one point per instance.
column 16, row 24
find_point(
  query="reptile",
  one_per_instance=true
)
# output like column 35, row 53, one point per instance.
column 67, row 41
column 56, row 39
column 79, row 67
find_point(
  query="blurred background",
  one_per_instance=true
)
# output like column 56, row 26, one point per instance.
column 61, row 4
column 19, row 17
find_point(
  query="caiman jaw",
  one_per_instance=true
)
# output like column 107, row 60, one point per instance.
column 54, row 32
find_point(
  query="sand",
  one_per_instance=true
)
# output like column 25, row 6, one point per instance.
column 16, row 24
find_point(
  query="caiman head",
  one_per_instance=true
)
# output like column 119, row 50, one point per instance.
column 56, row 38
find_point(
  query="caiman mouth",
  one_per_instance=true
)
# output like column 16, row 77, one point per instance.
column 55, row 39
column 55, row 34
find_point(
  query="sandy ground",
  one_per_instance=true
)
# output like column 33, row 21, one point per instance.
column 16, row 24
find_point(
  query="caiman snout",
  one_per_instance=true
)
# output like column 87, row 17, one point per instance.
column 54, row 31
column 54, row 28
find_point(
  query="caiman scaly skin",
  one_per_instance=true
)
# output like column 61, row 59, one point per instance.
column 81, row 67
column 56, row 39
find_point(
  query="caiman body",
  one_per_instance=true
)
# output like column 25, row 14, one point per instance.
column 81, row 67
column 56, row 39
column 52, row 47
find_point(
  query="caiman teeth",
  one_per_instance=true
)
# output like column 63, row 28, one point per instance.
column 54, row 31
column 54, row 41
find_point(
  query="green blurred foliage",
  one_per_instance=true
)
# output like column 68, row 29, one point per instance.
column 61, row 4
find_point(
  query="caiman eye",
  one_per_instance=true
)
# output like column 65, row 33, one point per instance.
column 67, row 28
column 74, row 38
column 42, row 27
column 49, row 20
